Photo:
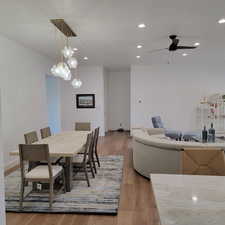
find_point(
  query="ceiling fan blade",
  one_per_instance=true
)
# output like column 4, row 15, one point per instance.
column 186, row 47
column 157, row 50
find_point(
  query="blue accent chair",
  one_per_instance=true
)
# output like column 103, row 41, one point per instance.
column 173, row 134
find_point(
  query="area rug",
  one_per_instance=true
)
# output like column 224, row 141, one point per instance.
column 101, row 198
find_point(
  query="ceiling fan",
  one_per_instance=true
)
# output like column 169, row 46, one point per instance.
column 174, row 45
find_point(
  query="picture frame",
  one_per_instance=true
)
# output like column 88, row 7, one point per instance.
column 85, row 101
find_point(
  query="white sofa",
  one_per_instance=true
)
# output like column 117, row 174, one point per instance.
column 155, row 153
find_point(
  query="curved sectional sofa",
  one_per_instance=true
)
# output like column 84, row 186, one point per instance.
column 153, row 152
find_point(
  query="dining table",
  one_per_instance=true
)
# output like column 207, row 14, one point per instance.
column 67, row 145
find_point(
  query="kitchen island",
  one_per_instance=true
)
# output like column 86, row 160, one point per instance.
column 189, row 199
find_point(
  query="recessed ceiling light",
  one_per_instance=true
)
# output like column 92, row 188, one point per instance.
column 197, row 44
column 139, row 46
column 184, row 54
column 75, row 49
column 221, row 21
column 141, row 25
column 138, row 56
column 85, row 58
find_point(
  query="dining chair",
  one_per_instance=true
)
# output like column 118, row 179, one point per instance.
column 41, row 173
column 85, row 164
column 45, row 132
column 82, row 126
column 95, row 157
column 198, row 161
column 31, row 137
column 96, row 136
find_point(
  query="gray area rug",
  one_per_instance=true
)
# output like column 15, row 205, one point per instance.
column 101, row 198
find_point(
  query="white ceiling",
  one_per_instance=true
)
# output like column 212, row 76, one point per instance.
column 107, row 29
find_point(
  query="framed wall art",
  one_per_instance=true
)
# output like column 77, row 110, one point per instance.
column 85, row 101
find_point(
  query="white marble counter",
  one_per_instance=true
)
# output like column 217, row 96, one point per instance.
column 189, row 199
column 161, row 141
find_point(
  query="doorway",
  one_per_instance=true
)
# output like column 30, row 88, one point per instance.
column 118, row 100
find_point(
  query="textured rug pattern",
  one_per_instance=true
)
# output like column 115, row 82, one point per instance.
column 101, row 198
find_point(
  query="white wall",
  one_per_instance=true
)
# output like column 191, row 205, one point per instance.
column 54, row 104
column 24, row 105
column 2, row 190
column 118, row 99
column 93, row 83
column 106, row 87
column 173, row 92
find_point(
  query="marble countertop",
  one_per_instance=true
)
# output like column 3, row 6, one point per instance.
column 160, row 140
column 189, row 199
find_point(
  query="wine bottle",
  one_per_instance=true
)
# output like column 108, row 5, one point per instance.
column 212, row 133
column 204, row 135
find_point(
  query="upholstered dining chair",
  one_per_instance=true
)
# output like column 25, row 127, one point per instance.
column 198, row 161
column 83, row 126
column 41, row 173
column 30, row 137
column 85, row 164
column 45, row 132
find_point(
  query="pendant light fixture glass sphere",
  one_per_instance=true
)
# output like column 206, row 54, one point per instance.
column 72, row 62
column 61, row 70
column 76, row 83
column 67, row 52
column 54, row 70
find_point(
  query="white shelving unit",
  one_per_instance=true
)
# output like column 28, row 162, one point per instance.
column 211, row 109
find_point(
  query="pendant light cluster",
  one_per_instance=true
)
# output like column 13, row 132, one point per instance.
column 63, row 69
column 68, row 61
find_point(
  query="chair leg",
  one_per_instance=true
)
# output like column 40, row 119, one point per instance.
column 64, row 181
column 96, row 155
column 22, row 194
column 86, row 175
column 95, row 169
column 51, row 193
column 92, row 171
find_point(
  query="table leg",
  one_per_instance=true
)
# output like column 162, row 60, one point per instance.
column 68, row 173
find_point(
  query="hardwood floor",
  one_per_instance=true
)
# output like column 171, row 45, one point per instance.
column 137, row 205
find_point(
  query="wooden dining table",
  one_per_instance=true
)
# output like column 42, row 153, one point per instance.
column 67, row 145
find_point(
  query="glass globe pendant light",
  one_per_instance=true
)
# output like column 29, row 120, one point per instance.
column 67, row 52
column 61, row 70
column 76, row 83
column 72, row 62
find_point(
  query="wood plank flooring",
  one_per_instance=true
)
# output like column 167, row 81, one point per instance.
column 137, row 205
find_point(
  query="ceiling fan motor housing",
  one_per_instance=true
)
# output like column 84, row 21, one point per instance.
column 175, row 41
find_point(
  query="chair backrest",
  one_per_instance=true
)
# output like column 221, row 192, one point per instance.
column 30, row 137
column 45, row 132
column 92, row 145
column 198, row 161
column 157, row 122
column 96, row 136
column 34, row 153
column 88, row 146
column 82, row 126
